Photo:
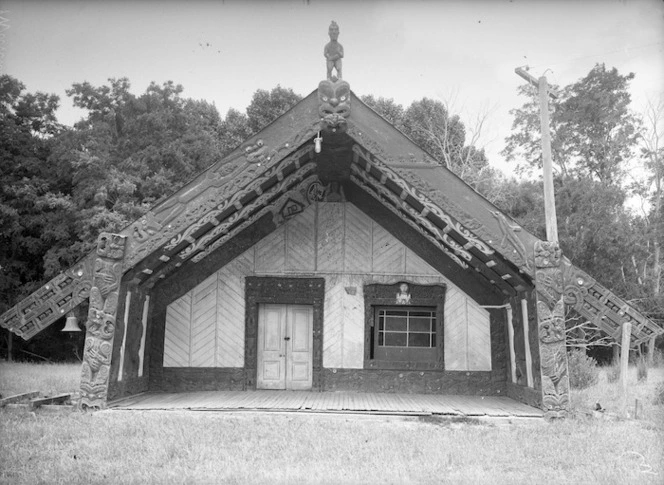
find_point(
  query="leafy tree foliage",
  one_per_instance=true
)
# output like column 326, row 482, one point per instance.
column 35, row 208
column 60, row 187
column 431, row 126
column 593, row 131
column 387, row 108
column 267, row 106
column 595, row 136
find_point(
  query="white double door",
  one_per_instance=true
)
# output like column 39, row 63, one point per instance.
column 285, row 342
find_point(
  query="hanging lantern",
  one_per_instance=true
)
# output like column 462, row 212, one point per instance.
column 71, row 325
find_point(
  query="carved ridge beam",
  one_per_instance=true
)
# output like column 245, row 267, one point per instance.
column 51, row 302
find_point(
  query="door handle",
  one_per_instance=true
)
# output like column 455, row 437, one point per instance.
column 286, row 339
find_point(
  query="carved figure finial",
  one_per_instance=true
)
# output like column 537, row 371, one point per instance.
column 333, row 52
column 403, row 297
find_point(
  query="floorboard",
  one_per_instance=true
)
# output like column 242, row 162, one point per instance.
column 332, row 402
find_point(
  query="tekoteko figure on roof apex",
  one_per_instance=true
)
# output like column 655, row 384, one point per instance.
column 333, row 52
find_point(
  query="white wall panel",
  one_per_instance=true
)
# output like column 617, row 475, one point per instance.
column 342, row 244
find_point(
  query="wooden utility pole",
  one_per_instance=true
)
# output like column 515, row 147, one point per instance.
column 547, row 163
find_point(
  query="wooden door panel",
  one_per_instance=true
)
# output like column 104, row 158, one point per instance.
column 271, row 353
column 272, row 371
column 300, row 323
column 285, row 342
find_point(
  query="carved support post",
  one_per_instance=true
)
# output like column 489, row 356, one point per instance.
column 100, row 327
column 551, row 329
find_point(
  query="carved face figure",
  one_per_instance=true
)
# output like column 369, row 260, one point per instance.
column 334, row 98
column 334, row 31
column 552, row 322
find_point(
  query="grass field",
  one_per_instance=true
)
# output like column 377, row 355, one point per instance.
column 211, row 447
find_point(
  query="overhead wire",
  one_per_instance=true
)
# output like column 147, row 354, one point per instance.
column 540, row 65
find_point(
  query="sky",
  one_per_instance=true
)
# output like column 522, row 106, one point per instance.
column 462, row 53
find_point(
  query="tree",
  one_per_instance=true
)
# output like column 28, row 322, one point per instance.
column 429, row 124
column 234, row 130
column 131, row 151
column 267, row 106
column 594, row 137
column 652, row 154
column 35, row 208
column 593, row 131
column 387, row 108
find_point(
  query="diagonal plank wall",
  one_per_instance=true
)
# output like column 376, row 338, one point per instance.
column 205, row 327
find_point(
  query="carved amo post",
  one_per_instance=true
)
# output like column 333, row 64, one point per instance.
column 100, row 331
column 551, row 329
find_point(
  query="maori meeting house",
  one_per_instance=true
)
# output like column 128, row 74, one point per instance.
column 327, row 253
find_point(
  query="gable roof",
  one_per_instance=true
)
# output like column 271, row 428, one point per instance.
column 376, row 159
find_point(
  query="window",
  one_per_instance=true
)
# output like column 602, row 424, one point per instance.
column 404, row 334
column 404, row 326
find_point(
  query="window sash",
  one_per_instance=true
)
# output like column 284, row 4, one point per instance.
column 406, row 327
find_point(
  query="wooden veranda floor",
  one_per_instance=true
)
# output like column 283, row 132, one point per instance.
column 336, row 402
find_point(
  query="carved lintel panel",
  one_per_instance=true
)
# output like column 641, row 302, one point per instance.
column 100, row 327
column 551, row 330
column 334, row 107
column 51, row 302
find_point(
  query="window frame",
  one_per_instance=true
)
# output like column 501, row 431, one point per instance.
column 378, row 297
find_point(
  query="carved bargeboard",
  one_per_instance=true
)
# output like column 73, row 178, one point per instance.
column 551, row 329
column 100, row 327
column 51, row 302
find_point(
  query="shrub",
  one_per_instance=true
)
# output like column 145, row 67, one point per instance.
column 658, row 358
column 659, row 394
column 583, row 371
column 613, row 373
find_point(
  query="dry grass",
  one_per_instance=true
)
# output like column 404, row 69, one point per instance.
column 609, row 395
column 210, row 447
column 49, row 379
